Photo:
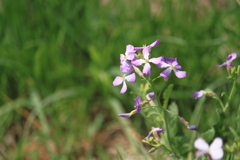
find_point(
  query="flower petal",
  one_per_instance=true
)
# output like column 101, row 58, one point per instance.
column 147, row 69
column 158, row 130
column 170, row 60
column 117, row 81
column 138, row 62
column 201, row 144
column 231, row 57
column 216, row 144
column 131, row 78
column 178, row 66
column 224, row 64
column 163, row 65
column 150, row 96
column 166, row 73
column 154, row 43
column 139, row 109
column 198, row 94
column 149, row 134
column 217, row 153
column 146, row 52
column 137, row 100
column 126, row 67
column 124, row 88
column 200, row 153
column 180, row 74
column 156, row 60
column 125, row 115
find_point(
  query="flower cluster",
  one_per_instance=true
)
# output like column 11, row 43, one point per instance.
column 130, row 61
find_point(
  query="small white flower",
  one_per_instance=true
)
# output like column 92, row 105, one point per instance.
column 214, row 150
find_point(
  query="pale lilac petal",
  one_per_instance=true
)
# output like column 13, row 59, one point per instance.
column 178, row 67
column 224, row 64
column 200, row 153
column 129, row 48
column 231, row 57
column 154, row 43
column 124, row 88
column 126, row 67
column 175, row 63
column 201, row 144
column 122, row 58
column 131, row 78
column 130, row 52
column 146, row 52
column 125, row 115
column 138, row 62
column 147, row 69
column 149, row 134
column 216, row 144
column 156, row 60
column 163, row 65
column 198, row 94
column 166, row 73
column 137, row 48
column 150, row 96
column 117, row 81
column 217, row 153
column 180, row 74
column 158, row 130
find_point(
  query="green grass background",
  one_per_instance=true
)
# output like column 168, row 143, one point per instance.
column 58, row 60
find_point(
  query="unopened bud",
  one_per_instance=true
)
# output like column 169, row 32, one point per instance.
column 184, row 121
column 193, row 127
column 137, row 70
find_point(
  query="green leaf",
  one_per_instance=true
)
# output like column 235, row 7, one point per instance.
column 173, row 119
column 209, row 134
column 238, row 120
column 166, row 95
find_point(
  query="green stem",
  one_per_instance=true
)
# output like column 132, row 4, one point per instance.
column 219, row 100
column 162, row 112
column 230, row 96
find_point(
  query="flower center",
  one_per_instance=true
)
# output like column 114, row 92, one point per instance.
column 123, row 77
column 172, row 67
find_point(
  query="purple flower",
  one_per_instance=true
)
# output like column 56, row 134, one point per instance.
column 171, row 64
column 146, row 61
column 229, row 60
column 198, row 94
column 214, row 150
column 158, row 130
column 119, row 80
column 138, row 104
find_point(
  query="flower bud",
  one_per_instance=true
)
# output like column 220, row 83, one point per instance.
column 137, row 70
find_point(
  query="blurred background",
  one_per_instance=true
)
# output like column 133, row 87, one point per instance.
column 58, row 60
